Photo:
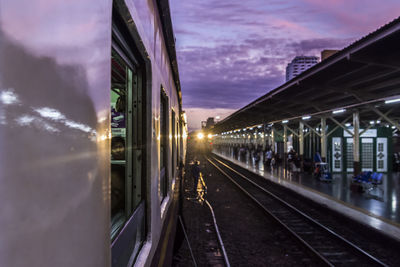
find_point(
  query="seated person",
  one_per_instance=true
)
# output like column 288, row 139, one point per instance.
column 317, row 158
column 118, row 113
column 117, row 148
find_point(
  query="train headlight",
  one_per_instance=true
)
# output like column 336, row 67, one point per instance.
column 200, row 136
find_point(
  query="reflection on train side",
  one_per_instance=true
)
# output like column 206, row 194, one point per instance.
column 42, row 118
column 8, row 97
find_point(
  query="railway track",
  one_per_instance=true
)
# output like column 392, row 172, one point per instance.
column 325, row 245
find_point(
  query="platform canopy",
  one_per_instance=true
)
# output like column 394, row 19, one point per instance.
column 362, row 76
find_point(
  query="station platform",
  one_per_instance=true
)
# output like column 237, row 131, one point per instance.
column 378, row 208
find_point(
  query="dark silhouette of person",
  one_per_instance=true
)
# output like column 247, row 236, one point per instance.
column 118, row 148
column 117, row 189
column 195, row 175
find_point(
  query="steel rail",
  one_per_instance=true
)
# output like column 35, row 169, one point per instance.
column 345, row 241
column 187, row 241
column 221, row 243
column 298, row 238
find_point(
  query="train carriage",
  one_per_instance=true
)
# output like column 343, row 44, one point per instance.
column 92, row 132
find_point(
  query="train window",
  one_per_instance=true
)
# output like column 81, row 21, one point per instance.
column 119, row 142
column 163, row 144
column 126, row 148
column 178, row 143
column 128, row 143
column 173, row 139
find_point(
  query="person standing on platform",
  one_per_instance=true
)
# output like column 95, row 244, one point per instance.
column 257, row 158
column 195, row 175
column 274, row 160
column 268, row 158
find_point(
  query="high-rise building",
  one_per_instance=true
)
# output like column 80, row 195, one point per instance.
column 298, row 65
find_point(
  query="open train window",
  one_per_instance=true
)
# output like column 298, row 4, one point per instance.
column 163, row 144
column 119, row 141
column 127, row 145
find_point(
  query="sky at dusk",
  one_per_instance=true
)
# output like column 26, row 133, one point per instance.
column 232, row 52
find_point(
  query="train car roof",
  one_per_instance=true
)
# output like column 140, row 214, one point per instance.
column 168, row 32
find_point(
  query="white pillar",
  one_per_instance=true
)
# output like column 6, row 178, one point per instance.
column 323, row 140
column 285, row 145
column 301, row 139
column 273, row 140
column 285, row 139
column 356, row 143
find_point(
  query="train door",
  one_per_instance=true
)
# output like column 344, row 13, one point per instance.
column 337, row 154
column 381, row 154
column 367, row 154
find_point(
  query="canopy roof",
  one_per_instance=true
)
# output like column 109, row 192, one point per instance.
column 361, row 76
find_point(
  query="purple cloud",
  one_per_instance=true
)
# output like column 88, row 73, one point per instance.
column 229, row 76
column 230, row 53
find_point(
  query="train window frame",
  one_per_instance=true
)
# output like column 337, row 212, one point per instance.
column 131, row 236
column 137, row 102
column 121, row 72
column 164, row 151
column 173, row 140
column 178, row 147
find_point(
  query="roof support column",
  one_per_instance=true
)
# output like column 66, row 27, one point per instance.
column 323, row 140
column 285, row 145
column 272, row 139
column 301, row 143
column 313, row 147
column 301, row 138
column 264, row 142
column 356, row 142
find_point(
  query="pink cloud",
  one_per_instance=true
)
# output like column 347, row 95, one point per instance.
column 294, row 29
column 355, row 16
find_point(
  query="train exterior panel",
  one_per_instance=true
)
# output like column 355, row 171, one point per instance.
column 69, row 71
